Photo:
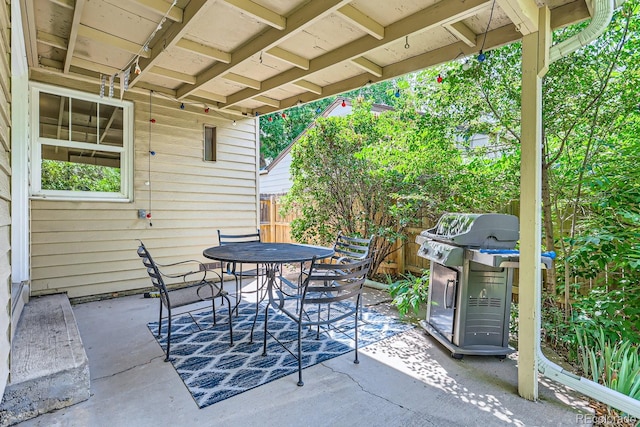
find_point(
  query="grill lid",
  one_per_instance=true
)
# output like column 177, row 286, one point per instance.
column 487, row 231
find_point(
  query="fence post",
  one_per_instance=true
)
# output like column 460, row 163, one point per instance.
column 272, row 218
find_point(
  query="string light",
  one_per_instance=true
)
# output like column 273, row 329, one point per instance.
column 466, row 65
column 234, row 123
column 137, row 69
column 206, row 109
column 182, row 106
column 439, row 79
column 397, row 94
column 344, row 103
column 318, row 110
column 270, row 119
column 482, row 56
column 284, row 116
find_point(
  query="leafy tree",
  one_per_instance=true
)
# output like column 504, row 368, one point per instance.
column 70, row 176
column 358, row 174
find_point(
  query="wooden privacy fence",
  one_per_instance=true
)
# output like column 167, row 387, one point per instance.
column 277, row 228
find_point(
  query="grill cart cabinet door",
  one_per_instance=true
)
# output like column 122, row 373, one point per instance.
column 443, row 289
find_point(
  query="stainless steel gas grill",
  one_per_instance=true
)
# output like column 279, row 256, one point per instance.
column 472, row 264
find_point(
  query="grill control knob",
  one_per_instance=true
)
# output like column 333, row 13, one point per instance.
column 439, row 254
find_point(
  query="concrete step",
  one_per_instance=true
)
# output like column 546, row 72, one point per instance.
column 49, row 367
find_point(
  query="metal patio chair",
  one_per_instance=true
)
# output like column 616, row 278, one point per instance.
column 199, row 288
column 332, row 292
column 237, row 269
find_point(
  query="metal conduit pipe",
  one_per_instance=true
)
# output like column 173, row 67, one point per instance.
column 603, row 12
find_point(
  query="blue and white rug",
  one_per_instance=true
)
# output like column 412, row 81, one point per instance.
column 213, row 371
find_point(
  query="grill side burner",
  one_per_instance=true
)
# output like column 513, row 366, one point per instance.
column 471, row 281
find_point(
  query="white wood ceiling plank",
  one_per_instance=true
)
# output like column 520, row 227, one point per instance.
column 111, row 40
column 267, row 101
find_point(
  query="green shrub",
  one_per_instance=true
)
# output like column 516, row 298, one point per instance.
column 409, row 292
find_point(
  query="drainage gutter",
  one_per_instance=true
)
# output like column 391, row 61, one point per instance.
column 602, row 15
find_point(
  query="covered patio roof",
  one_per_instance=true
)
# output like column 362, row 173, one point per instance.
column 256, row 57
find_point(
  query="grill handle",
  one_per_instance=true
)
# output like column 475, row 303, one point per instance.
column 446, row 289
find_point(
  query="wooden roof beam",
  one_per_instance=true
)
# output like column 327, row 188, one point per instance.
column 311, row 87
column 462, row 33
column 30, row 34
column 362, row 21
column 173, row 75
column 267, row 101
column 261, row 13
column 523, row 14
column 208, row 51
column 174, row 33
column 495, row 38
column 51, row 40
column 368, row 66
column 430, row 17
column 67, row 4
column 210, row 96
column 288, row 57
column 111, row 40
column 160, row 7
column 73, row 34
column 302, row 18
column 242, row 80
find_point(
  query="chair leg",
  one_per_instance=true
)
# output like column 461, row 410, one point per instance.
column 266, row 318
column 230, row 317
column 300, row 383
column 168, row 335
column 159, row 334
column 356, row 361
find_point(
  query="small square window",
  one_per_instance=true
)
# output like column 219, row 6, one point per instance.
column 210, row 145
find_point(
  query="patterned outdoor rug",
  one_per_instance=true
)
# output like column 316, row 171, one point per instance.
column 213, row 371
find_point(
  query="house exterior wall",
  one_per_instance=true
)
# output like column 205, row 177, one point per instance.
column 89, row 248
column 278, row 180
column 5, row 193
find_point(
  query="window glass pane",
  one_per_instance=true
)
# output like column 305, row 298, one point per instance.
column 80, row 170
column 54, row 117
column 111, row 125
column 84, row 119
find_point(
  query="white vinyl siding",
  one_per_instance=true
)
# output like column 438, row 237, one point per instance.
column 5, row 195
column 278, row 180
column 88, row 248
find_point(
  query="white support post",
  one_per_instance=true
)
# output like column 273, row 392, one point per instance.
column 534, row 62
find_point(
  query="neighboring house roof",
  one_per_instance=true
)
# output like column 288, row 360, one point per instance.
column 334, row 109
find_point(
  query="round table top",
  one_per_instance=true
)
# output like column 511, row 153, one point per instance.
column 264, row 253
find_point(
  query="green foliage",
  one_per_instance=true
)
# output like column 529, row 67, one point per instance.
column 615, row 364
column 57, row 175
column 410, row 292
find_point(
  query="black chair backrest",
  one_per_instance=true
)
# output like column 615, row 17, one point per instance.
column 152, row 269
column 331, row 283
column 226, row 239
column 351, row 248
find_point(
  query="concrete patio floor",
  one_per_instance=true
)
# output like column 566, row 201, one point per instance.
column 406, row 380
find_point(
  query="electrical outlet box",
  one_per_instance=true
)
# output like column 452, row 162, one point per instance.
column 142, row 214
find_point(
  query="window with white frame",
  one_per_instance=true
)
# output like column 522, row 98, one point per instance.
column 82, row 145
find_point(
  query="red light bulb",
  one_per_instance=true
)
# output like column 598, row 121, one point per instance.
column 284, row 116
column 344, row 103
column 152, row 120
column 149, row 215
column 439, row 79
column 270, row 118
